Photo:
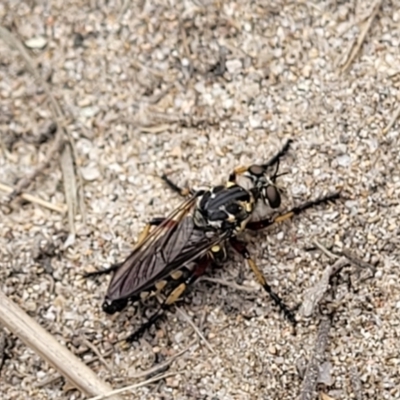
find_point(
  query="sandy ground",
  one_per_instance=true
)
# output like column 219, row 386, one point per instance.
column 194, row 89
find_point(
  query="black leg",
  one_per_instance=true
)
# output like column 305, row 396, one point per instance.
column 261, row 224
column 280, row 154
column 258, row 170
column 180, row 287
column 182, row 191
column 241, row 249
column 108, row 270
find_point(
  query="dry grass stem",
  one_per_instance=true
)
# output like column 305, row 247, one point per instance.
column 195, row 328
column 357, row 261
column 308, row 388
column 33, row 199
column 44, row 344
column 56, row 377
column 321, row 247
column 360, row 40
column 135, row 386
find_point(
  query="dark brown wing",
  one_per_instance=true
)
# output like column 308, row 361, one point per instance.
column 168, row 247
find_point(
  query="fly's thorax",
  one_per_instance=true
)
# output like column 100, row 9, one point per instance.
column 225, row 208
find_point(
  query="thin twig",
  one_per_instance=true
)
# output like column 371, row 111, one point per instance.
column 229, row 284
column 307, row 391
column 325, row 250
column 135, row 386
column 392, row 121
column 56, row 377
column 195, row 328
column 357, row 262
column 95, row 350
column 362, row 36
column 345, row 253
column 356, row 383
column 28, row 197
column 314, row 295
column 163, row 365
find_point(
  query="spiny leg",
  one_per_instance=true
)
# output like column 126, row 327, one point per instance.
column 174, row 295
column 242, row 250
column 108, row 270
column 278, row 155
column 142, row 237
column 260, row 169
column 261, row 224
column 182, row 191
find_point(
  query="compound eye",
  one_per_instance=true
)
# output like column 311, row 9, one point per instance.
column 256, row 170
column 273, row 196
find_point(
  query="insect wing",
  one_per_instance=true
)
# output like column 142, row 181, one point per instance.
column 170, row 245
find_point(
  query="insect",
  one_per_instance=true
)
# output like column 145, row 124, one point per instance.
column 181, row 247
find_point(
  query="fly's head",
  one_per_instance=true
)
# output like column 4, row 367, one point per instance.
column 225, row 208
column 264, row 186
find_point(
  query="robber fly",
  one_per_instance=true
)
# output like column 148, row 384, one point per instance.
column 181, row 247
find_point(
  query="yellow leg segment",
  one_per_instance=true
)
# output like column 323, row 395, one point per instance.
column 175, row 294
column 259, row 275
column 284, row 217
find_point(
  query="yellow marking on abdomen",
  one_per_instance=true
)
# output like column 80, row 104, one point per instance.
column 160, row 285
column 176, row 275
column 144, row 295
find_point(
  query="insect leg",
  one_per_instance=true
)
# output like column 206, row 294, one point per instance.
column 261, row 224
column 182, row 191
column 241, row 249
column 111, row 268
column 260, row 169
column 174, row 295
column 278, row 155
